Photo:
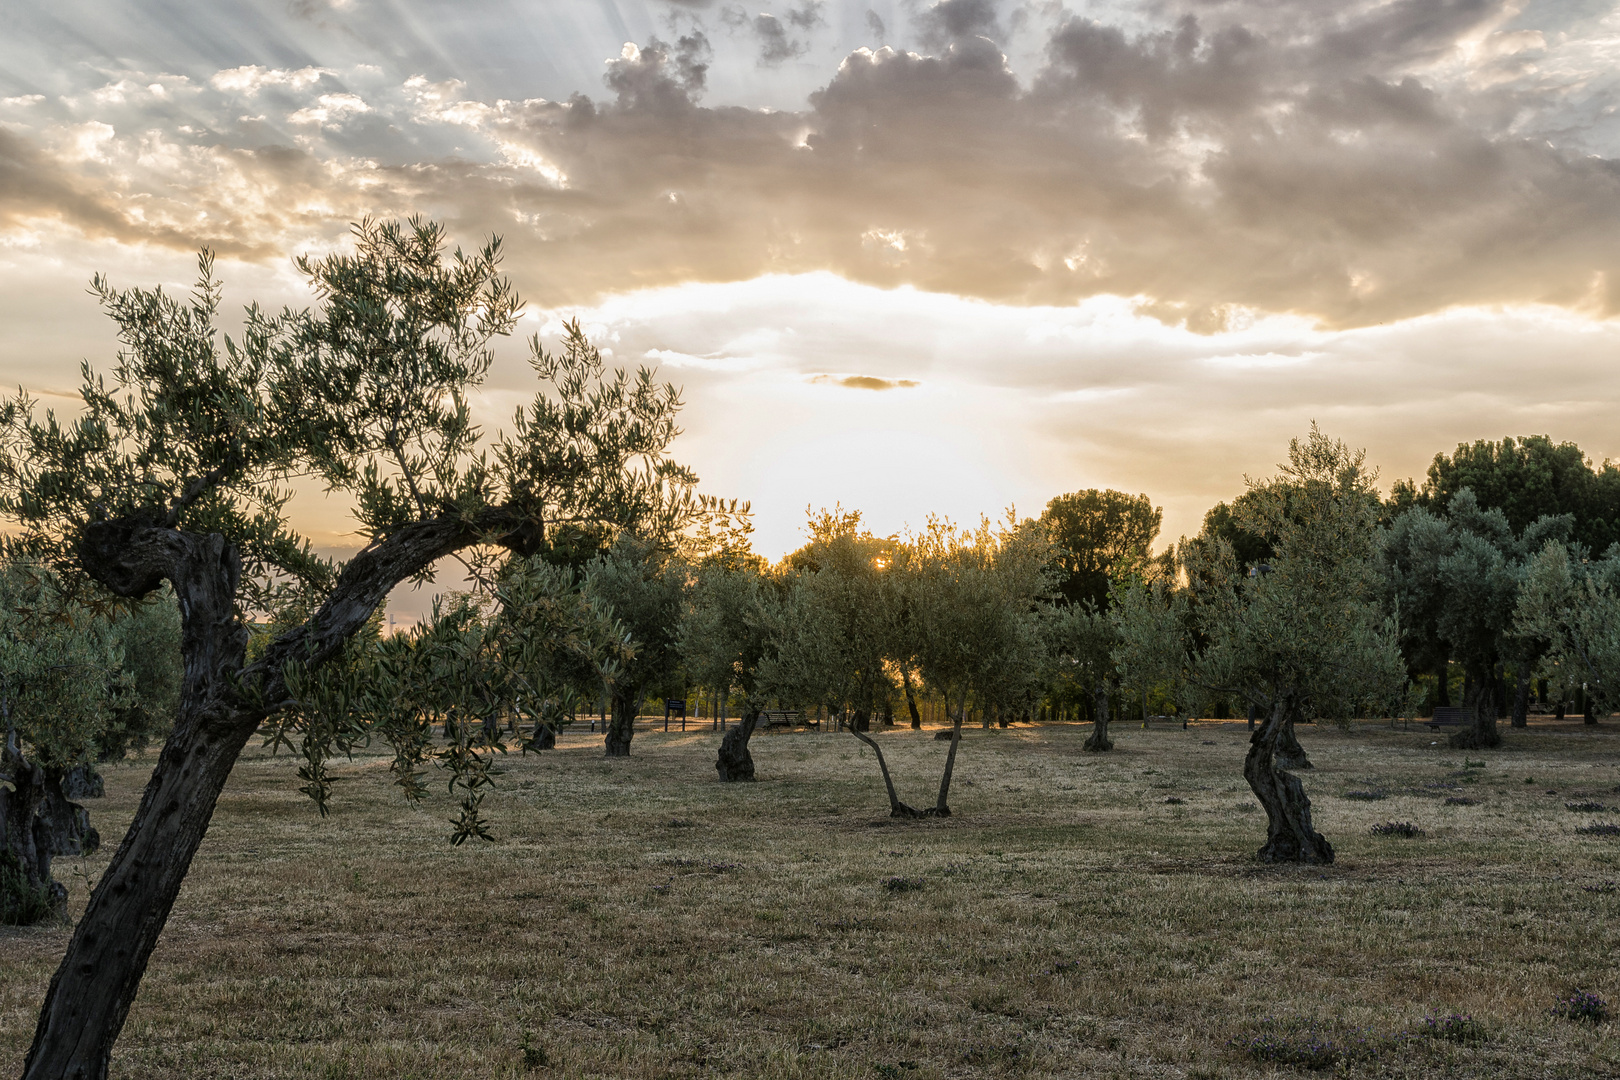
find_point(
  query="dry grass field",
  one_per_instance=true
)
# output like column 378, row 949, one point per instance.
column 1080, row 915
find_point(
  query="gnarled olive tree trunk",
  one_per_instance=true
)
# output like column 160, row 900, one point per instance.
column 221, row 705
column 90, row 994
column 1099, row 740
column 621, row 727
column 1482, row 733
column 734, row 763
column 37, row 823
column 1289, row 834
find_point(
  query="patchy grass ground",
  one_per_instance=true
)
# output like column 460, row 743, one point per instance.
column 1080, row 915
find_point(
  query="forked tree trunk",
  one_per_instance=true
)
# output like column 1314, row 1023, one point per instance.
column 734, row 763
column 941, row 807
column 911, row 698
column 621, row 728
column 544, row 737
column 1482, row 734
column 1099, row 740
column 1289, row 834
column 1521, row 694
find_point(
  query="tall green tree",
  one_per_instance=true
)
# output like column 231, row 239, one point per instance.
column 1098, row 536
column 176, row 470
column 1526, row 478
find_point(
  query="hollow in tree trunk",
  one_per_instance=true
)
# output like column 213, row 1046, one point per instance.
column 1289, row 834
column 1099, row 739
column 1521, row 694
column 911, row 698
column 1482, row 733
column 621, row 727
column 734, row 763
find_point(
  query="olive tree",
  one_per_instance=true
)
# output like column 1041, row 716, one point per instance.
column 61, row 685
column 972, row 622
column 1305, row 637
column 1573, row 605
column 1080, row 642
column 644, row 584
column 176, row 470
column 728, row 635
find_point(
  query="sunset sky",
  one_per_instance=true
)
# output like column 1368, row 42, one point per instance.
column 906, row 256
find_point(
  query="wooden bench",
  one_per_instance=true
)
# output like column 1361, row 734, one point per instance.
column 781, row 717
column 1450, row 716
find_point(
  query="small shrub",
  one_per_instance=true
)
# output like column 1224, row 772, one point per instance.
column 1599, row 828
column 1454, row 1027
column 902, row 884
column 1173, row 800
column 534, row 1055
column 1398, row 828
column 1364, row 796
column 1584, row 1006
column 1601, row 887
column 1473, row 764
column 1585, row 807
column 1461, row 800
column 1305, row 1045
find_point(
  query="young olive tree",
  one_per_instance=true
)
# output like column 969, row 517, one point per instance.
column 972, row 622
column 728, row 637
column 61, row 685
column 1150, row 651
column 176, row 470
column 1573, row 605
column 1305, row 637
column 644, row 585
column 1080, row 642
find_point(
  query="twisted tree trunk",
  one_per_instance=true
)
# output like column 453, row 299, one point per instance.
column 1099, row 740
column 734, row 763
column 1289, row 834
column 221, row 705
column 1291, row 755
column 90, row 994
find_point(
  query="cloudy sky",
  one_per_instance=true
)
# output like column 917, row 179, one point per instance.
column 905, row 255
